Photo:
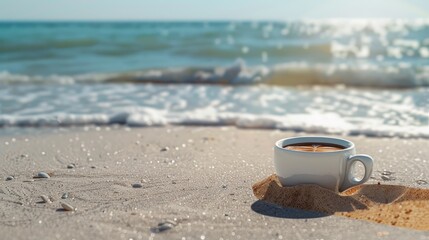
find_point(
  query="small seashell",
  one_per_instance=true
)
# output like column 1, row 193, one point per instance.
column 43, row 175
column 174, row 223
column 65, row 195
column 71, row 165
column 421, row 182
column 386, row 173
column 388, row 178
column 45, row 199
column 137, row 185
column 9, row 178
column 68, row 207
column 163, row 226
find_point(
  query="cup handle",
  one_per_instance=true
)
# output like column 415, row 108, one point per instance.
column 349, row 179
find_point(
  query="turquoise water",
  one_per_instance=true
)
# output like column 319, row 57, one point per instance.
column 366, row 77
column 71, row 48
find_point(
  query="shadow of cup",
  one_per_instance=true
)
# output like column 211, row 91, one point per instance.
column 272, row 210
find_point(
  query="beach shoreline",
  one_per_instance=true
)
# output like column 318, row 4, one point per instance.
column 199, row 178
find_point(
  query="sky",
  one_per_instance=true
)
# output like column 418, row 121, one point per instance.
column 209, row 9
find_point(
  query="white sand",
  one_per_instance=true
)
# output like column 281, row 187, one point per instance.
column 203, row 182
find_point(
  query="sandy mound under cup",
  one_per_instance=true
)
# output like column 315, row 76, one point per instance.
column 388, row 204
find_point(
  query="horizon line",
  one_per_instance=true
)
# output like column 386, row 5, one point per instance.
column 209, row 20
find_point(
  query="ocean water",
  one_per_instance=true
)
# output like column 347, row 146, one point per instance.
column 326, row 76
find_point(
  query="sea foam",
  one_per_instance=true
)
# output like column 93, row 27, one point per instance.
column 341, row 110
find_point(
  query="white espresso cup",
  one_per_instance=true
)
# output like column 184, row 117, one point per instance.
column 332, row 170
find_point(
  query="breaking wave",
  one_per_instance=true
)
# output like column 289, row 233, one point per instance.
column 289, row 74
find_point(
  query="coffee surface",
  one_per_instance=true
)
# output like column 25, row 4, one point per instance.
column 314, row 147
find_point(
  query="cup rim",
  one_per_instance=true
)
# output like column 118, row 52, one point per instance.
column 279, row 144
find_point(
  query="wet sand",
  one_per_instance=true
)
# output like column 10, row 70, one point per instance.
column 198, row 178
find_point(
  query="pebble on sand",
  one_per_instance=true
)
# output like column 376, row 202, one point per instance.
column 42, row 175
column 137, row 185
column 386, row 173
column 421, row 182
column 45, row 199
column 164, row 226
column 71, row 165
column 68, row 207
column 164, row 149
column 65, row 195
column 9, row 178
column 388, row 178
